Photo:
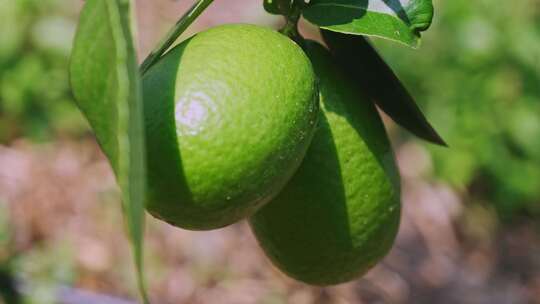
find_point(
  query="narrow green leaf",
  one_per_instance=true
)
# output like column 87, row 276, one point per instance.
column 364, row 65
column 106, row 85
column 398, row 20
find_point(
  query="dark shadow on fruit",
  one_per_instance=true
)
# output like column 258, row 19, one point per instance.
column 348, row 102
column 167, row 186
column 338, row 14
column 368, row 127
column 362, row 116
column 311, row 212
column 367, row 123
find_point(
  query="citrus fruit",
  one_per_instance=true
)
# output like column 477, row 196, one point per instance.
column 229, row 115
column 340, row 212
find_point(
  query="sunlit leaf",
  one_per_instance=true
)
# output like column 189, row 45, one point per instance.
column 398, row 20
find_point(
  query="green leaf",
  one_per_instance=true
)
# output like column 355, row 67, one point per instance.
column 106, row 85
column 278, row 7
column 367, row 68
column 398, row 20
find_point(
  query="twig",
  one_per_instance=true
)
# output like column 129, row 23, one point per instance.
column 181, row 25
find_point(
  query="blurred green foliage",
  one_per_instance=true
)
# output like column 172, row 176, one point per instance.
column 43, row 271
column 35, row 42
column 477, row 75
column 33, row 275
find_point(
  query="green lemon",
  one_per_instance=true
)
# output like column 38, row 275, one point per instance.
column 340, row 212
column 229, row 115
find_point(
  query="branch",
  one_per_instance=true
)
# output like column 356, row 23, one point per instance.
column 181, row 25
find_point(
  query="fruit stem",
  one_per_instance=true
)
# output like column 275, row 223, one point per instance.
column 181, row 25
column 290, row 29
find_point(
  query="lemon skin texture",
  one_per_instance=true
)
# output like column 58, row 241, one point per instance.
column 229, row 115
column 339, row 214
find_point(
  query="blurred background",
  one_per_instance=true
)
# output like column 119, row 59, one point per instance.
column 471, row 213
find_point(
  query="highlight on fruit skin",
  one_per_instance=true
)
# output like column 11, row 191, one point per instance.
column 229, row 115
column 339, row 214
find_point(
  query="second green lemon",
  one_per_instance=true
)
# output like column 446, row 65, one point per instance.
column 229, row 114
column 339, row 214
